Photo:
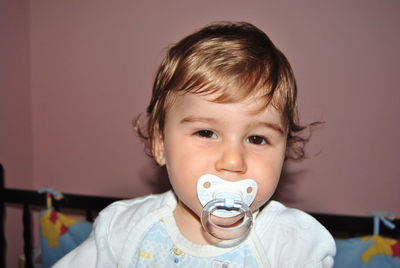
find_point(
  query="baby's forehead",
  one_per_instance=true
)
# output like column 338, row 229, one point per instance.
column 252, row 105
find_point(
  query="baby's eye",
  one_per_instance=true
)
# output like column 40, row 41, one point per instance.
column 206, row 134
column 258, row 140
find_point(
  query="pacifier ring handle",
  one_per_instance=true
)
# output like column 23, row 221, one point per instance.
column 227, row 233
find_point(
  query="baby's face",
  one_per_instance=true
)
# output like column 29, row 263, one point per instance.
column 234, row 141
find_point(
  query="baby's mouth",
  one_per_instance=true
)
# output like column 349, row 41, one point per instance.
column 230, row 222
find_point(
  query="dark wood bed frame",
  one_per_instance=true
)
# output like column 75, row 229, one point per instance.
column 340, row 226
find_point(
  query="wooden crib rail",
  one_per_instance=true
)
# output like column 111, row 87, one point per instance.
column 88, row 203
column 346, row 226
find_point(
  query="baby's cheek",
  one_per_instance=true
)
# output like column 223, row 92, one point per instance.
column 187, row 194
column 258, row 202
column 263, row 195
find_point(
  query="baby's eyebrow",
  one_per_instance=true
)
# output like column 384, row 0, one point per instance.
column 194, row 119
column 270, row 125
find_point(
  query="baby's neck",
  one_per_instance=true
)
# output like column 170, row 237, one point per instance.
column 190, row 226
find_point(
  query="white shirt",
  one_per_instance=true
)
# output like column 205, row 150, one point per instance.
column 281, row 236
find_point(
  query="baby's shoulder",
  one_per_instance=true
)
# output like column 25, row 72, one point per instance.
column 287, row 230
column 123, row 220
column 133, row 210
column 277, row 216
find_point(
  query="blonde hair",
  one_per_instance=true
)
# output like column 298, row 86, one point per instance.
column 233, row 60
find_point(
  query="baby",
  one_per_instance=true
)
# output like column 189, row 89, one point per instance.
column 222, row 120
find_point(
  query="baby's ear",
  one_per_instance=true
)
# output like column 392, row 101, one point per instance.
column 158, row 147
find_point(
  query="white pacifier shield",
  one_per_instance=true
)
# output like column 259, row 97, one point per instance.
column 211, row 187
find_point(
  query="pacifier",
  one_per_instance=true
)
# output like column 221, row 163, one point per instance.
column 226, row 199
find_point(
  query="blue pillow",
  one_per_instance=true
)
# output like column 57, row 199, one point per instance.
column 370, row 251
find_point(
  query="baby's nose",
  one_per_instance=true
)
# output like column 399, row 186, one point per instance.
column 232, row 159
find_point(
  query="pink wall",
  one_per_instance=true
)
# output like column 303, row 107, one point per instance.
column 15, row 113
column 15, row 94
column 80, row 71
